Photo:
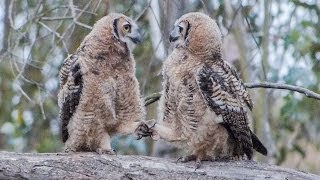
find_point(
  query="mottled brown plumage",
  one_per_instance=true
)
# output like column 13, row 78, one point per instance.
column 204, row 103
column 99, row 93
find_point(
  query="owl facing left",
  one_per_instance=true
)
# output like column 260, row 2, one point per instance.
column 99, row 94
column 204, row 106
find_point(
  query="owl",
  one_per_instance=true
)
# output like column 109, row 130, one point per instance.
column 204, row 104
column 99, row 93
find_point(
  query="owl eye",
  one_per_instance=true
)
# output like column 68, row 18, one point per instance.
column 127, row 27
column 180, row 29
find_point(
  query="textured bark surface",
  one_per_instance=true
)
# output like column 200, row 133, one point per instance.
column 93, row 166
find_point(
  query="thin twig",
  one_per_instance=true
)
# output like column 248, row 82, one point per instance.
column 55, row 18
column 75, row 17
column 206, row 10
column 84, row 11
column 40, row 102
column 143, row 11
column 150, row 65
column 310, row 94
column 152, row 98
column 49, row 29
column 130, row 6
column 24, row 94
column 299, row 89
column 83, row 25
column 97, row 6
column 233, row 20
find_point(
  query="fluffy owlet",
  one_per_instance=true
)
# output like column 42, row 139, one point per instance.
column 99, row 93
column 204, row 104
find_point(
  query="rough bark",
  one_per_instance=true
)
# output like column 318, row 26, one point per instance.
column 93, row 166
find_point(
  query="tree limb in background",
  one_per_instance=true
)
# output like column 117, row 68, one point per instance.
column 156, row 96
column 143, row 11
column 301, row 90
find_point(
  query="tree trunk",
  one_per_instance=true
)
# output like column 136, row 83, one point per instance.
column 93, row 166
column 171, row 11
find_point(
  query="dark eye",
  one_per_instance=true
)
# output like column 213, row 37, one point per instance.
column 127, row 27
column 180, row 29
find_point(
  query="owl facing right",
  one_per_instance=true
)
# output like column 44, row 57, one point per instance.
column 204, row 104
column 99, row 94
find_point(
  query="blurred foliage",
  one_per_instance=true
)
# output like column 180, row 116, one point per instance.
column 39, row 34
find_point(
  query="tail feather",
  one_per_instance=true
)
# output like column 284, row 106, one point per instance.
column 257, row 144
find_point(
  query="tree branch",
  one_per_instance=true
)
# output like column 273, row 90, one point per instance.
column 310, row 94
column 93, row 166
column 56, row 18
column 143, row 11
column 299, row 89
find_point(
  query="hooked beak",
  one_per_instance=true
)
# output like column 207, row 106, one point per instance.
column 174, row 35
column 136, row 37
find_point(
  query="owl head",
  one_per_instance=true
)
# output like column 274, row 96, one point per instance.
column 121, row 27
column 196, row 32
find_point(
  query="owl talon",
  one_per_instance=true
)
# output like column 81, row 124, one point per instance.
column 143, row 130
column 192, row 158
column 179, row 159
column 69, row 150
column 138, row 137
column 106, row 151
column 198, row 164
column 188, row 158
column 151, row 123
column 225, row 158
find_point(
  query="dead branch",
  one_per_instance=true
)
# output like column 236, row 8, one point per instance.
column 310, row 94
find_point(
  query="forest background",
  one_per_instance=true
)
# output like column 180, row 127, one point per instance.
column 274, row 41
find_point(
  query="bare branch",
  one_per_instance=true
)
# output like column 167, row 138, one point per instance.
column 75, row 17
column 301, row 90
column 206, row 10
column 97, row 6
column 83, row 25
column 130, row 6
column 84, row 11
column 310, row 94
column 24, row 93
column 143, row 11
column 40, row 102
column 152, row 98
column 10, row 14
column 49, row 29
column 55, row 18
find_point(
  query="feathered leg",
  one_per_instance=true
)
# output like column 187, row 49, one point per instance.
column 105, row 145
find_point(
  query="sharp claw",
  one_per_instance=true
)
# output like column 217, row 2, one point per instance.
column 114, row 151
column 198, row 164
column 69, row 150
column 143, row 131
column 105, row 151
column 179, row 159
column 139, row 137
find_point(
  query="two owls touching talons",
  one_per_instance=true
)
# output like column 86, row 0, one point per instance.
column 204, row 104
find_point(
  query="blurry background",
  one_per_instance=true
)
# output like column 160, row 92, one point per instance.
column 275, row 41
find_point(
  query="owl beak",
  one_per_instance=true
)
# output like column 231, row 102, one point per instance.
column 136, row 37
column 174, row 35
